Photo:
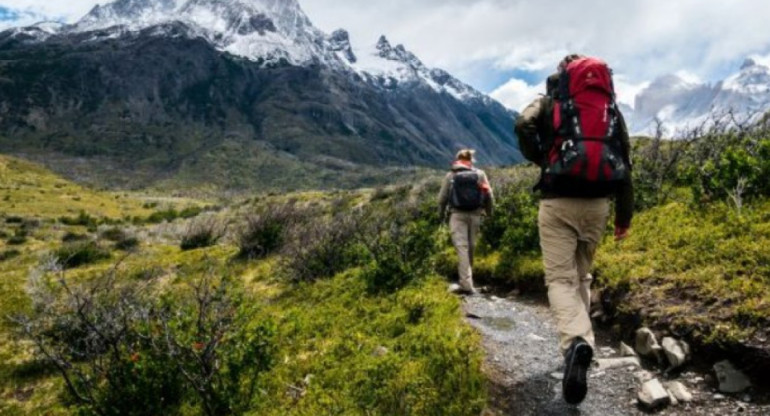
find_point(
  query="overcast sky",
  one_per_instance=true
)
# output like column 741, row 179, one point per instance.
column 507, row 47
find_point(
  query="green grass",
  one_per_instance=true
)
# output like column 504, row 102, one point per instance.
column 346, row 352
column 704, row 269
column 341, row 349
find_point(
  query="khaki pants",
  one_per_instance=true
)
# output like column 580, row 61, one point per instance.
column 570, row 231
column 465, row 231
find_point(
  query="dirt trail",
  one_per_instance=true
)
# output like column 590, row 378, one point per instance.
column 523, row 363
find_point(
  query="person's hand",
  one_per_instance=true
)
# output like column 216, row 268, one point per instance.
column 621, row 233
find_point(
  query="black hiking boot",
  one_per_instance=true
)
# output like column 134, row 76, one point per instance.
column 577, row 361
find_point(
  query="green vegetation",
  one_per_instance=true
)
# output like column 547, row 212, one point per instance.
column 697, row 261
column 77, row 254
column 272, row 320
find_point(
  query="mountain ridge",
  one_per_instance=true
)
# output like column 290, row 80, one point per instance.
column 164, row 95
column 683, row 105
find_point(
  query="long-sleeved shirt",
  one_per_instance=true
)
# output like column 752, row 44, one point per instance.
column 535, row 126
column 446, row 188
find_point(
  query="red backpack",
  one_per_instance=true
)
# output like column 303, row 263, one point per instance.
column 585, row 158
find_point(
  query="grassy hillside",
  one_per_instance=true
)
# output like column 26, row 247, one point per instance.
column 29, row 190
column 363, row 333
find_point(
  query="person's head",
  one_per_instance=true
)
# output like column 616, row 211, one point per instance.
column 465, row 155
column 567, row 60
column 552, row 85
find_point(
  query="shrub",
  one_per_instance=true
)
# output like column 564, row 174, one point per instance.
column 733, row 167
column 190, row 212
column 513, row 224
column 9, row 254
column 77, row 254
column 83, row 219
column 121, row 350
column 203, row 233
column 167, row 215
column 70, row 237
column 322, row 248
column 14, row 220
column 127, row 244
column 114, row 234
column 399, row 245
column 265, row 232
column 17, row 240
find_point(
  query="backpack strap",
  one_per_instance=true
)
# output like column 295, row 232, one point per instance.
column 570, row 115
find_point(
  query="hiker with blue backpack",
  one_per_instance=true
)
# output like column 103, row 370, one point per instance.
column 467, row 195
column 578, row 137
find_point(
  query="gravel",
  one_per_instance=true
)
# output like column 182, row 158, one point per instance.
column 523, row 359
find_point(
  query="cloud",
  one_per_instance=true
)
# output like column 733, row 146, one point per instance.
column 641, row 39
column 517, row 94
column 10, row 17
column 627, row 91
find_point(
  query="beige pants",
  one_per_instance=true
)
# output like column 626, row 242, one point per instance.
column 570, row 231
column 465, row 231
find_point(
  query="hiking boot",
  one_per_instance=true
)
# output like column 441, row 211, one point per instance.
column 577, row 361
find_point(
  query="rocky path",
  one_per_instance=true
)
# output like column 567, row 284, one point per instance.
column 524, row 365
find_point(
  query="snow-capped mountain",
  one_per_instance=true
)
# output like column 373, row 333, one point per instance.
column 144, row 81
column 683, row 105
column 267, row 31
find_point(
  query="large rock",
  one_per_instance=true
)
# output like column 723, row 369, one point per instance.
column 676, row 351
column 646, row 343
column 653, row 395
column 731, row 380
column 679, row 391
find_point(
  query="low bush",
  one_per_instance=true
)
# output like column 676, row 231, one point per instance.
column 83, row 219
column 9, row 254
column 126, row 348
column 321, row 248
column 265, row 231
column 71, row 237
column 77, row 254
column 401, row 248
column 167, row 215
column 17, row 240
column 202, row 233
column 127, row 244
column 14, row 219
column 114, row 234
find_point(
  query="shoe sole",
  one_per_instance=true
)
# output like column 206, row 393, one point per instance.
column 575, row 383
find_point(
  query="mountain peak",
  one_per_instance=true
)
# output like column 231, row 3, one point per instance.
column 748, row 63
column 339, row 41
column 383, row 45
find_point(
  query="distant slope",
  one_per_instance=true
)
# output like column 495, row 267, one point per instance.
column 27, row 189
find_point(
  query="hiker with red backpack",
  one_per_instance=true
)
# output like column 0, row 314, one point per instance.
column 467, row 194
column 578, row 137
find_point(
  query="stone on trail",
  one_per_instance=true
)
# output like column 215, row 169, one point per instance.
column 454, row 288
column 603, row 364
column 536, row 338
column 676, row 351
column 653, row 395
column 647, row 343
column 731, row 380
column 626, row 351
column 679, row 391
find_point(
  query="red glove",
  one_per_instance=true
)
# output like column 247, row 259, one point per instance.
column 621, row 233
